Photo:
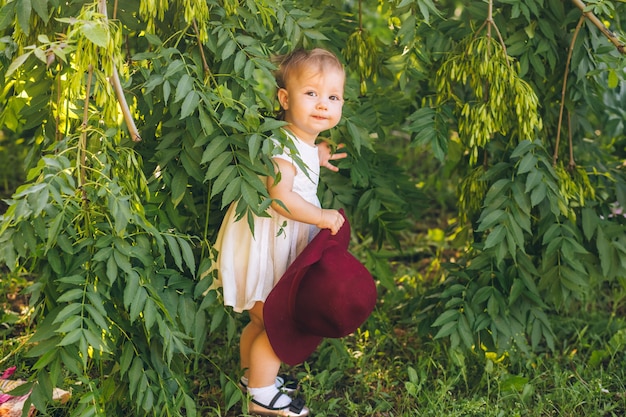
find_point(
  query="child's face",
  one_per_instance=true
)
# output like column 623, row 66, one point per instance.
column 312, row 101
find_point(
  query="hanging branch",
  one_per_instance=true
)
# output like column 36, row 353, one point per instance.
column 57, row 117
column 83, row 137
column 205, row 65
column 119, row 91
column 489, row 22
column 572, row 162
column 555, row 156
column 593, row 19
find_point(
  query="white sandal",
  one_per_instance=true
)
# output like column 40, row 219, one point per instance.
column 295, row 408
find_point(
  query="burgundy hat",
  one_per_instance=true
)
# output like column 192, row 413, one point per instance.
column 325, row 292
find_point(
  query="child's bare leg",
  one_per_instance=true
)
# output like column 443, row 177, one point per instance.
column 249, row 334
column 263, row 363
column 263, row 368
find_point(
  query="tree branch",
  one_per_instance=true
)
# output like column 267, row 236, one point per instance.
column 593, row 19
column 205, row 65
column 119, row 91
column 83, row 138
column 555, row 156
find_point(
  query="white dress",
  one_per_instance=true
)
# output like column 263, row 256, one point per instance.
column 249, row 266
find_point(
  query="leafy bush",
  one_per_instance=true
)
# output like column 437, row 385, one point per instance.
column 145, row 120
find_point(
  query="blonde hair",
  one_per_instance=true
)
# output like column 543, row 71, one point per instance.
column 292, row 62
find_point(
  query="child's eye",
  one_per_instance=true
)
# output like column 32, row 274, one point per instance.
column 335, row 98
column 311, row 93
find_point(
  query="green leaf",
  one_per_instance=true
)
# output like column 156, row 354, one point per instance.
column 173, row 68
column 72, row 337
column 185, row 85
column 516, row 290
column 71, row 295
column 496, row 236
column 136, row 306
column 528, row 163
column 240, row 61
column 189, row 105
column 538, row 194
column 121, row 212
column 41, row 8
column 219, row 164
column 73, row 322
column 131, row 288
column 515, row 231
column 217, row 319
column 150, row 313
column 187, row 253
column 97, row 317
column 465, row 332
column 491, row 218
column 67, row 311
column 589, row 222
column 254, row 144
column 270, row 124
column 314, row 34
column 167, row 90
column 123, row 261
column 522, row 148
column 24, row 9
column 96, row 32
column 446, row 317
column 216, row 147
column 172, row 244
column 224, row 178
column 135, row 374
column 7, row 14
column 249, row 194
column 613, row 79
column 482, row 295
column 96, row 342
column 232, row 192
column 111, row 269
column 229, row 49
column 447, row 329
column 232, row 394
column 126, row 357
column 179, row 186
column 205, row 121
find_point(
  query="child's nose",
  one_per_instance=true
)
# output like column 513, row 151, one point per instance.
column 322, row 103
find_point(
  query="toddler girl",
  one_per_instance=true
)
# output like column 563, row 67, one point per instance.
column 310, row 93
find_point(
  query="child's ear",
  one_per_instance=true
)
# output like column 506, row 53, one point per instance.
column 283, row 98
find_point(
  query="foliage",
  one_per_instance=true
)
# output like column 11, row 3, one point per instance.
column 539, row 225
column 145, row 120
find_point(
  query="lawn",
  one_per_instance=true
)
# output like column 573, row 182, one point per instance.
column 392, row 366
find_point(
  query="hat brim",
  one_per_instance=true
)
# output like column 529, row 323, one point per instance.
column 290, row 343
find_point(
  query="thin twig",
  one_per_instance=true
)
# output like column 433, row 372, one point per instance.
column 555, row 156
column 490, row 23
column 205, row 65
column 572, row 162
column 57, row 118
column 593, row 19
column 83, row 136
column 119, row 91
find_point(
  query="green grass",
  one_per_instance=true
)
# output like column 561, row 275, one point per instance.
column 392, row 367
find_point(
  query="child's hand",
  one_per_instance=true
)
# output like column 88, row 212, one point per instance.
column 331, row 219
column 326, row 155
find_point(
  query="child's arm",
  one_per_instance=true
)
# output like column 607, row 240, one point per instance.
column 298, row 208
